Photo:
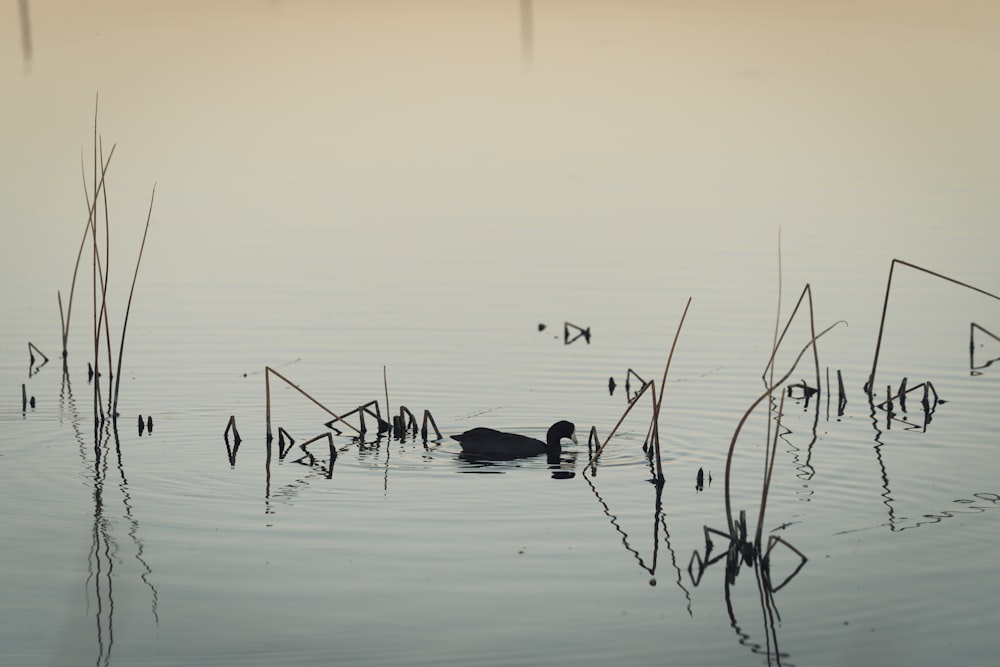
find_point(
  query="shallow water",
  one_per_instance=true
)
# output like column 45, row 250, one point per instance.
column 380, row 198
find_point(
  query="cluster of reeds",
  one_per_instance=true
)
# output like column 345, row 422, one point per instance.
column 741, row 546
column 745, row 544
column 98, row 232
column 652, row 443
column 399, row 426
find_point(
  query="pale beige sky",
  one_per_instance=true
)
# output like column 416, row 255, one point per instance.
column 377, row 112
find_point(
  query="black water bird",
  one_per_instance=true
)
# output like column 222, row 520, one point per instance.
column 488, row 443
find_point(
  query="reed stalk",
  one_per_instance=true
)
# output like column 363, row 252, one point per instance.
column 805, row 294
column 775, row 340
column 870, row 385
column 32, row 348
column 628, row 390
column 428, row 417
column 746, row 415
column 128, row 306
column 663, row 389
column 112, row 405
column 385, row 385
column 268, row 371
column 768, row 470
column 231, row 428
column 621, row 419
column 79, row 256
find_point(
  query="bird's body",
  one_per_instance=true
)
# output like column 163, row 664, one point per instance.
column 489, row 443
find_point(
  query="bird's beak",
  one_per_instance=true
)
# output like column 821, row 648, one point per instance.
column 572, row 436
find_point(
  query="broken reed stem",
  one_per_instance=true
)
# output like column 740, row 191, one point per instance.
column 128, row 306
column 32, row 346
column 656, row 437
column 806, row 291
column 746, row 415
column 267, row 403
column 62, row 325
column 385, row 384
column 774, row 539
column 267, row 388
column 631, row 405
column 768, row 470
column 327, row 435
column 870, row 385
column 231, row 427
column 428, row 417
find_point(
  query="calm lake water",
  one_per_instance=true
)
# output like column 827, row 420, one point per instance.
column 386, row 201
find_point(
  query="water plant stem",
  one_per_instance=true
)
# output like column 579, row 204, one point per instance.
column 128, row 307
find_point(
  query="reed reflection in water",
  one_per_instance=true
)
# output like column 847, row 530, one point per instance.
column 112, row 500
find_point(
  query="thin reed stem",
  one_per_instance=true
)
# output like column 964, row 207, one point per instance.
column 768, row 471
column 663, row 389
column 385, row 385
column 104, row 283
column 774, row 339
column 128, row 307
column 79, row 253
